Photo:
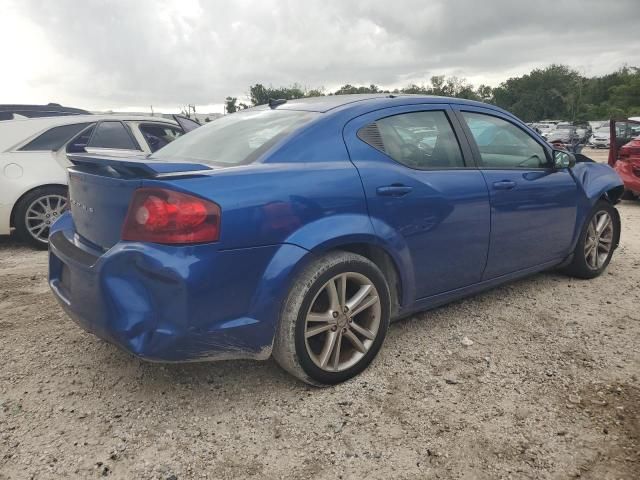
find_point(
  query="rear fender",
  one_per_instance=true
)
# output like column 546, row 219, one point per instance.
column 331, row 233
column 312, row 240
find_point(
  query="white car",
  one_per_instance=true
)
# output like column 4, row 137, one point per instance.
column 601, row 138
column 545, row 128
column 33, row 161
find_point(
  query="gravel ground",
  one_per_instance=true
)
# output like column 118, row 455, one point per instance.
column 537, row 379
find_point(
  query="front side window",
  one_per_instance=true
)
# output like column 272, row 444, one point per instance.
column 158, row 135
column 54, row 138
column 420, row 140
column 236, row 139
column 112, row 135
column 503, row 145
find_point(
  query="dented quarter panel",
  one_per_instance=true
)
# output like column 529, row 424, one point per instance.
column 177, row 303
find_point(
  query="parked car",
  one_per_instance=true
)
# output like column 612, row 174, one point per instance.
column 15, row 111
column 545, row 128
column 565, row 135
column 299, row 229
column 624, row 154
column 600, row 138
column 584, row 132
column 628, row 167
column 33, row 161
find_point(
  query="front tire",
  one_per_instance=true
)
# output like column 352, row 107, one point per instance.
column 598, row 240
column 36, row 212
column 334, row 319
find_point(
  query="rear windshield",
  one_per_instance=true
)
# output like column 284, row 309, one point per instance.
column 235, row 139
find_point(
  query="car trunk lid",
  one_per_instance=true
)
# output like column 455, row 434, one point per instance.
column 101, row 188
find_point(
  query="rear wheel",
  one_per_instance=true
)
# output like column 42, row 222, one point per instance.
column 597, row 242
column 334, row 320
column 36, row 211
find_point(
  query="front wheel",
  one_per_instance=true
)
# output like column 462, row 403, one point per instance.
column 334, row 320
column 597, row 242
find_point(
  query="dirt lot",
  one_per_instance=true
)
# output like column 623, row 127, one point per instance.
column 549, row 388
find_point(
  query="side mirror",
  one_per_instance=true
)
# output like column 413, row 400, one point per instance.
column 563, row 159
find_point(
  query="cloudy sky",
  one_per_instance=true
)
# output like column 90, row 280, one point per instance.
column 123, row 54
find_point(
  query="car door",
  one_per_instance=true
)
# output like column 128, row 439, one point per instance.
column 533, row 204
column 423, row 192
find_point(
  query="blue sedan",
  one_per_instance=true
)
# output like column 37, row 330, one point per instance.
column 299, row 229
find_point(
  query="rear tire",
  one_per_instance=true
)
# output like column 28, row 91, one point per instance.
column 35, row 213
column 598, row 240
column 330, row 334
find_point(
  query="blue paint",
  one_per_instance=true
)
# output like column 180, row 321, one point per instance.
column 451, row 233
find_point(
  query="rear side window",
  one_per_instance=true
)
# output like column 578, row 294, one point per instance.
column 112, row 135
column 420, row 140
column 78, row 144
column 236, row 139
column 55, row 138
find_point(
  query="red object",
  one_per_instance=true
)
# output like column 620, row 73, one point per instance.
column 628, row 165
column 614, row 141
column 164, row 216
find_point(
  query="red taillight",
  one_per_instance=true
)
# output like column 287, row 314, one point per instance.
column 165, row 216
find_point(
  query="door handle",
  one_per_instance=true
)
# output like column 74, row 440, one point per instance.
column 504, row 185
column 393, row 190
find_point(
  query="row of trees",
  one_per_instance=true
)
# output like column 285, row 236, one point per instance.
column 554, row 92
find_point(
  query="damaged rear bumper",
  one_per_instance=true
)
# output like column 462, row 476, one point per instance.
column 168, row 303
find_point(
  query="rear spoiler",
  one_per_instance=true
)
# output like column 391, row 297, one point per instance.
column 140, row 167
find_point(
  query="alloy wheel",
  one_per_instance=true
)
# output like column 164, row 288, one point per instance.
column 342, row 322
column 42, row 212
column 599, row 240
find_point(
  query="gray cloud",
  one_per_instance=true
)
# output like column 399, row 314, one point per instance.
column 166, row 52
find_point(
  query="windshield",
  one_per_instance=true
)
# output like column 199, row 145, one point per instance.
column 235, row 139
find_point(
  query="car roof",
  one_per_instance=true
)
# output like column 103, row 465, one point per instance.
column 70, row 119
column 374, row 100
column 14, row 132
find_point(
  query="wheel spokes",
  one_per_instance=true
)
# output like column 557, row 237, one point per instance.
column 359, row 296
column 355, row 341
column 317, row 330
column 364, row 305
column 603, row 222
column 335, row 339
column 319, row 317
column 334, row 298
column 599, row 240
column 363, row 331
column 42, row 213
column 327, row 349
column 336, row 355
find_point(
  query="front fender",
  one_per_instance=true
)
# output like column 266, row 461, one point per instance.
column 596, row 179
